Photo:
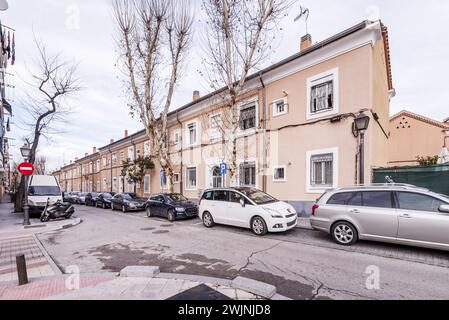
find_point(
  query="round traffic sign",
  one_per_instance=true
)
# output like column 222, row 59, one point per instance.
column 26, row 169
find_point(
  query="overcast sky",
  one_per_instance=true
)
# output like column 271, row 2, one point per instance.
column 418, row 40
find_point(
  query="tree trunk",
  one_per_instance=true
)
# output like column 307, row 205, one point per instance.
column 20, row 196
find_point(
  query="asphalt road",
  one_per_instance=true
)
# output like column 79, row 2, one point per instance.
column 303, row 264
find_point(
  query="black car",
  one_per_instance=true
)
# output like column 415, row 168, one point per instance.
column 72, row 197
column 128, row 202
column 104, row 200
column 172, row 206
column 91, row 199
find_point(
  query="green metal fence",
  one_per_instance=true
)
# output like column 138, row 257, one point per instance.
column 434, row 178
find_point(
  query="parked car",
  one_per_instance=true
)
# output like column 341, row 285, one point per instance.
column 72, row 197
column 104, row 200
column 172, row 206
column 66, row 196
column 247, row 208
column 81, row 198
column 91, row 198
column 127, row 202
column 392, row 213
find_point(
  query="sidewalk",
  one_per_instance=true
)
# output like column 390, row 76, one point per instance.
column 108, row 286
column 16, row 240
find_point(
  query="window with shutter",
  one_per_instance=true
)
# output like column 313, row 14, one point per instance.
column 247, row 117
column 247, row 174
column 322, row 170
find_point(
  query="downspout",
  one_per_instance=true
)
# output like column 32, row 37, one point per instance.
column 135, row 158
column 81, row 171
column 264, row 134
column 181, row 175
column 110, row 151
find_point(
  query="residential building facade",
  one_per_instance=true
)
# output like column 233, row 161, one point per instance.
column 295, row 136
column 413, row 135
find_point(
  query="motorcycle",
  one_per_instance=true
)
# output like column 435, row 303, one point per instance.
column 57, row 210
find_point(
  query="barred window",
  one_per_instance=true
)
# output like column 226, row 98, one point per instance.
column 322, row 170
column 247, row 174
column 322, row 97
column 247, row 117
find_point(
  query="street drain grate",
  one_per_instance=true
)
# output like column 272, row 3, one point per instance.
column 161, row 231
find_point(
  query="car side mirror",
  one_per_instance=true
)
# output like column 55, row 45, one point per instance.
column 444, row 208
column 242, row 202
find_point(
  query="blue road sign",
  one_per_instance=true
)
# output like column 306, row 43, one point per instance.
column 223, row 169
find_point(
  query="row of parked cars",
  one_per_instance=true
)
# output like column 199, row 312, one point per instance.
column 393, row 213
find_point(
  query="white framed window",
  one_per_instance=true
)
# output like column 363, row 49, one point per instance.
column 191, row 178
column 176, row 178
column 114, row 159
column 279, row 107
column 122, row 156
column 131, row 153
column 147, row 184
column 114, row 184
column 191, row 134
column 147, row 149
column 248, row 117
column 104, row 162
column 98, row 166
column 176, row 137
column 130, row 187
column 323, row 94
column 280, row 173
column 215, row 126
column 248, row 174
column 105, row 185
column 322, row 170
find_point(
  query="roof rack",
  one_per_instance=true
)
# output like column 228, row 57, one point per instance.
column 380, row 185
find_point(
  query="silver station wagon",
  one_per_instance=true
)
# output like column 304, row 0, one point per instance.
column 394, row 213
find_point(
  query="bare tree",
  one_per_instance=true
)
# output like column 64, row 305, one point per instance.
column 153, row 38
column 41, row 165
column 52, row 82
column 239, row 38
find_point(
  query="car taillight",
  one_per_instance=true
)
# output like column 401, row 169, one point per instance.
column 199, row 202
column 314, row 209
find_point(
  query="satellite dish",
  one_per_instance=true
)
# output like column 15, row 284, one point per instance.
column 3, row 5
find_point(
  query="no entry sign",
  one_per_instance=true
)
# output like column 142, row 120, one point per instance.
column 26, row 169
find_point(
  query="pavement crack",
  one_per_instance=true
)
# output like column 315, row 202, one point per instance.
column 317, row 291
column 254, row 253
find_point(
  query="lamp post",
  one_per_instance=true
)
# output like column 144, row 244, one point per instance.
column 361, row 123
column 26, row 151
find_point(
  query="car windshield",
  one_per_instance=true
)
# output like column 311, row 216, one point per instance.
column 44, row 191
column 445, row 197
column 176, row 197
column 94, row 194
column 128, row 196
column 107, row 195
column 257, row 196
column 82, row 194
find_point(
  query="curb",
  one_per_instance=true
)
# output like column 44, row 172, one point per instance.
column 261, row 289
column 50, row 261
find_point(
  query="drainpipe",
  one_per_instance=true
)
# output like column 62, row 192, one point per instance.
column 110, row 151
column 264, row 134
column 133, row 143
column 181, row 175
column 81, row 176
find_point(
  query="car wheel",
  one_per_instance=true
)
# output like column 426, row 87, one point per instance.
column 148, row 211
column 171, row 216
column 208, row 220
column 123, row 209
column 104, row 206
column 344, row 233
column 258, row 226
column 112, row 207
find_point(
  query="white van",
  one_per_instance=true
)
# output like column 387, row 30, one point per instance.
column 40, row 188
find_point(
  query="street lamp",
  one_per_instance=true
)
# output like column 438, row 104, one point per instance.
column 361, row 123
column 26, row 152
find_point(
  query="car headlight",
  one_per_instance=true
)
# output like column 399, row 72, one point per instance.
column 180, row 209
column 132, row 205
column 274, row 213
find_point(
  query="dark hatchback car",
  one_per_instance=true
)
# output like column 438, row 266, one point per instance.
column 81, row 198
column 104, row 200
column 72, row 197
column 173, row 206
column 127, row 202
column 91, row 199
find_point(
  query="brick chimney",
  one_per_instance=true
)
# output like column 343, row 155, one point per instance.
column 126, row 133
column 94, row 150
column 86, row 154
column 111, row 141
column 306, row 42
column 196, row 95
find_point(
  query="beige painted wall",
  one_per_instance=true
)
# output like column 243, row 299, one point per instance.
column 411, row 138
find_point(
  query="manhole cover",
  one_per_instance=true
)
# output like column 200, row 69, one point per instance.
column 201, row 292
